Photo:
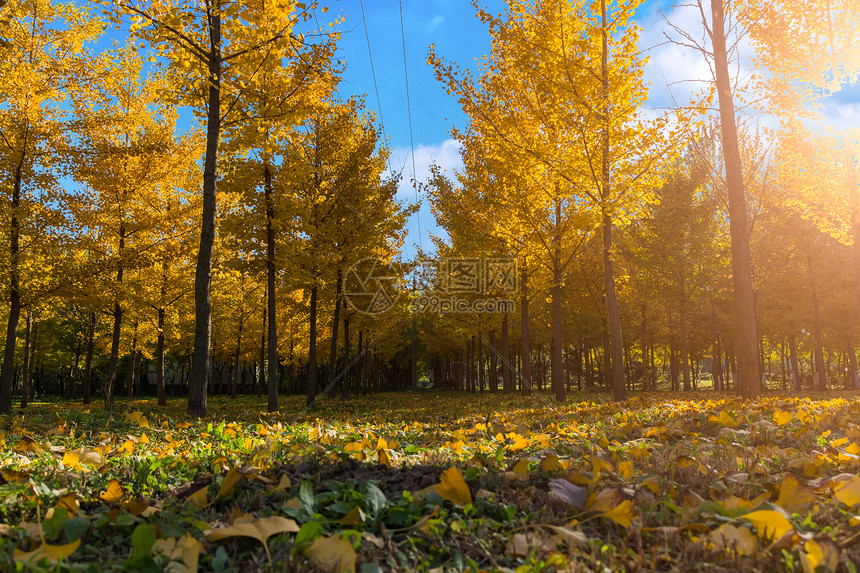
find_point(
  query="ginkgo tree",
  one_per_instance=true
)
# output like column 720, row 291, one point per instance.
column 215, row 53
column 43, row 59
column 563, row 88
column 127, row 160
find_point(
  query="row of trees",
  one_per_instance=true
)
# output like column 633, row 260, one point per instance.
column 103, row 210
column 564, row 170
column 646, row 244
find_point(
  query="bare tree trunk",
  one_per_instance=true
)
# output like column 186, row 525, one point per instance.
column 199, row 374
column 507, row 380
column 7, row 370
column 525, row 352
column 312, row 349
column 746, row 336
column 131, row 365
column 685, row 363
column 557, row 382
column 615, row 374
column 335, row 322
column 237, row 368
column 271, row 298
column 716, row 367
column 819, row 350
column 345, row 384
column 25, row 377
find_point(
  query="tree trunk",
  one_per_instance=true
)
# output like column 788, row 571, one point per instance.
column 749, row 376
column 685, row 363
column 25, row 376
column 335, row 322
column 615, row 373
column 792, row 352
column 345, row 383
column 262, row 377
column 271, row 297
column 88, row 362
column 203, row 274
column 237, row 368
column 131, row 365
column 117, row 325
column 525, row 351
column 159, row 361
column 507, row 379
column 716, row 366
column 557, row 382
column 312, row 349
column 8, row 369
column 494, row 366
column 820, row 370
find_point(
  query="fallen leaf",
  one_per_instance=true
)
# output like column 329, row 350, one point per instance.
column 822, row 552
column 45, row 551
column 728, row 420
column 200, row 496
column 521, row 544
column 794, row 497
column 769, row 524
column 283, row 485
column 354, row 517
column 625, row 469
column 623, row 514
column 260, row 530
column 114, row 492
column 521, row 468
column 573, row 538
column 332, row 554
column 848, row 492
column 606, row 500
column 734, row 540
column 452, row 487
column 550, row 463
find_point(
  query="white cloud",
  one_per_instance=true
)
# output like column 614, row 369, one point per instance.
column 447, row 156
column 434, row 23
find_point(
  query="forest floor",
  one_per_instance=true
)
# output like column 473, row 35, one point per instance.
column 436, row 481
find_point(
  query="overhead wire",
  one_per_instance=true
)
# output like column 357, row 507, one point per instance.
column 411, row 140
column 373, row 74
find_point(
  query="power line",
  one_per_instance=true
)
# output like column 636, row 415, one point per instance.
column 411, row 141
column 373, row 73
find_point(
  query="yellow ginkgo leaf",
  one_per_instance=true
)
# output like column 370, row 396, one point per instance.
column 822, row 553
column 231, row 480
column 769, row 524
column 848, row 492
column 782, row 418
column 354, row 516
column 383, row 458
column 727, row 420
column 733, row 540
column 114, row 492
column 794, row 497
column 49, row 552
column 72, row 460
column 452, row 487
column 625, row 469
column 260, row 530
column 283, row 485
column 332, row 554
column 606, row 500
column 551, row 463
column 521, row 468
column 623, row 514
column 69, row 502
column 199, row 497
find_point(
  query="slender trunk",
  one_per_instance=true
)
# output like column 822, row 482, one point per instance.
column 237, row 368
column 615, row 372
column 88, row 362
column 852, row 367
column 335, row 322
column 557, row 382
column 644, row 345
column 262, row 377
column 359, row 375
column 271, row 297
column 159, row 361
column 312, row 349
column 716, row 368
column 25, row 377
column 131, row 365
column 345, row 383
column 203, row 274
column 494, row 366
column 820, row 370
column 7, row 371
column 749, row 376
column 117, row 325
column 526, row 370
column 854, row 201
column 507, row 381
column 792, row 352
column 673, row 363
column 685, row 364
